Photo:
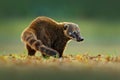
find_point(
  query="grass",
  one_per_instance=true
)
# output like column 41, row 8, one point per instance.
column 85, row 67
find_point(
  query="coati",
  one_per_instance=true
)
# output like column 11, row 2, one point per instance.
column 48, row 36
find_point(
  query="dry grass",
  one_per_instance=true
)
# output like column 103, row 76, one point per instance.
column 84, row 67
column 67, row 61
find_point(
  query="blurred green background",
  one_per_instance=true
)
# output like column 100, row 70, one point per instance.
column 99, row 22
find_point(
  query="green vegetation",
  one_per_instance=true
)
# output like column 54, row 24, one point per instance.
column 102, row 9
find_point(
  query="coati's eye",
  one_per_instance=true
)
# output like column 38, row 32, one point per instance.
column 72, row 33
column 66, row 26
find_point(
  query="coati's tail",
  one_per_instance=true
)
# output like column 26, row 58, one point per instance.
column 30, row 39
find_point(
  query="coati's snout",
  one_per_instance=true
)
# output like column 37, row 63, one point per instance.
column 75, row 36
column 73, row 32
column 79, row 39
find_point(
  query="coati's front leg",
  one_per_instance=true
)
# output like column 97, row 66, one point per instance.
column 31, row 52
column 59, row 46
column 49, row 51
column 37, row 45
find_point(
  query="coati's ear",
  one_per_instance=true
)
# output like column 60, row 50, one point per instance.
column 65, row 26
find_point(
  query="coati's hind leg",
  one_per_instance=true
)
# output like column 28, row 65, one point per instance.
column 36, row 45
column 31, row 52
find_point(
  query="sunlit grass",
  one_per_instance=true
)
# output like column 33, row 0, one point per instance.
column 67, row 60
column 22, row 66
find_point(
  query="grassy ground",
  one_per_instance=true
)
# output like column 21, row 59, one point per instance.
column 85, row 67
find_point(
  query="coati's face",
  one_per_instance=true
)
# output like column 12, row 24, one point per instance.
column 72, row 31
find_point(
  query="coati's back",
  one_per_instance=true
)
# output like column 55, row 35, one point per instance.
column 40, row 24
column 42, row 21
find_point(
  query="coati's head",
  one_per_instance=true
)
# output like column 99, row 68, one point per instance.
column 72, row 31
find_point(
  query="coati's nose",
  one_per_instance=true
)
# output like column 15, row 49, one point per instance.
column 80, row 39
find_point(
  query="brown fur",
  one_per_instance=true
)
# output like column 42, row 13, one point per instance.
column 45, row 35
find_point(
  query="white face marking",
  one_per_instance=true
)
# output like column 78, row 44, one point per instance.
column 70, row 33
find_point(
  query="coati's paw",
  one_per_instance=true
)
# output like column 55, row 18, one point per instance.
column 48, row 51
